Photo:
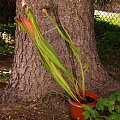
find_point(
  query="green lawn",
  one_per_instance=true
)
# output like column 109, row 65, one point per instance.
column 107, row 32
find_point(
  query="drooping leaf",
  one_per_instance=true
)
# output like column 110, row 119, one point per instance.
column 28, row 25
column 18, row 20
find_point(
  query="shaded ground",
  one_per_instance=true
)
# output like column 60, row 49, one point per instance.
column 49, row 107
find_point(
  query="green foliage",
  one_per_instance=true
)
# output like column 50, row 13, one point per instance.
column 6, row 48
column 106, row 109
column 108, row 40
column 4, row 76
column 6, row 39
column 9, row 28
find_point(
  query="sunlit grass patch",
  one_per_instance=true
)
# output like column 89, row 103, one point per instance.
column 109, row 17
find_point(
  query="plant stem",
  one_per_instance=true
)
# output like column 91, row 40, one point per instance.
column 54, row 9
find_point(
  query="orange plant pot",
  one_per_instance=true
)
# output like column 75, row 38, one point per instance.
column 76, row 109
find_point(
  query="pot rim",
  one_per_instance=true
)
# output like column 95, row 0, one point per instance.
column 87, row 93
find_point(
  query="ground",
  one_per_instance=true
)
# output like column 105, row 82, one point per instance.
column 39, row 110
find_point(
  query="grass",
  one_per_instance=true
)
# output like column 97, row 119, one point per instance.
column 111, row 18
column 107, row 35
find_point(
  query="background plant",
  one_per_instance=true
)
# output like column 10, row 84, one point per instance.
column 4, row 77
column 6, row 48
column 7, row 32
column 106, row 109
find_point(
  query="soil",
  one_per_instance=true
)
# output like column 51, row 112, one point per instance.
column 50, row 107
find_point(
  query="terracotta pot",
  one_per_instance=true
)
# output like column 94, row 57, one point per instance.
column 76, row 109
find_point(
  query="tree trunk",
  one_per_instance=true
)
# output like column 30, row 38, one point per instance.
column 30, row 81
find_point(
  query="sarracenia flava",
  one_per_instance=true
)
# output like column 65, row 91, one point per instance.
column 50, row 58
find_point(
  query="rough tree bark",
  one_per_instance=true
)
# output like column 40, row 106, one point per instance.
column 29, row 79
